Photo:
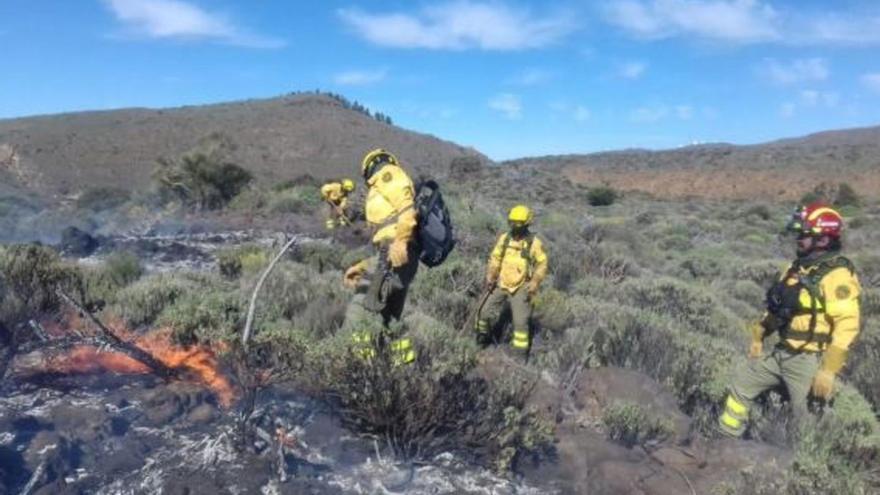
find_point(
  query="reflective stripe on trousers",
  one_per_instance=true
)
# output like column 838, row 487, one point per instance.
column 520, row 340
column 734, row 418
column 365, row 347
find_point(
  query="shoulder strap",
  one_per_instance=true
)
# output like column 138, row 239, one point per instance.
column 527, row 248
column 811, row 283
column 505, row 246
column 525, row 251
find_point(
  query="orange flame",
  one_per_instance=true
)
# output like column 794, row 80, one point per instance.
column 89, row 359
column 199, row 362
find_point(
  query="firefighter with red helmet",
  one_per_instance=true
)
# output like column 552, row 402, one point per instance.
column 814, row 308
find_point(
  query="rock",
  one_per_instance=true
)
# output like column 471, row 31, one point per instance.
column 167, row 403
column 204, row 413
column 75, row 242
column 596, row 389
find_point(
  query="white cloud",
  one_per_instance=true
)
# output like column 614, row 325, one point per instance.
column 581, row 114
column 460, row 25
column 578, row 113
column 816, row 98
column 507, row 104
column 837, row 29
column 654, row 113
column 649, row 114
column 177, row 19
column 531, row 77
column 744, row 21
column 632, row 70
column 872, row 81
column 797, row 71
column 360, row 77
column 684, row 112
column 787, row 110
column 740, row 21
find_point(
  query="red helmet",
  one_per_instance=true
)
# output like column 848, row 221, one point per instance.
column 816, row 219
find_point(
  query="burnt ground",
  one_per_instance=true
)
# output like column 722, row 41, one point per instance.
column 115, row 434
column 107, row 434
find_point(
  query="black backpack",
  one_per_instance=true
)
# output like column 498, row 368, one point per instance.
column 435, row 225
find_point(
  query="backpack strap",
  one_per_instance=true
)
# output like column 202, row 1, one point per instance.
column 811, row 282
column 525, row 251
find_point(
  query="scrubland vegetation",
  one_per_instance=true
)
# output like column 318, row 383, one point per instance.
column 662, row 287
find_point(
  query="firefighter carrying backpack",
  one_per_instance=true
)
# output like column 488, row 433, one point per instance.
column 435, row 231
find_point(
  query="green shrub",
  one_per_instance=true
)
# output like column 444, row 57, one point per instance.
column 839, row 452
column 141, row 303
column 760, row 211
column 695, row 366
column 200, row 181
column 248, row 258
column 100, row 199
column 448, row 291
column 321, row 256
column 250, row 200
column 31, row 274
column 552, row 310
column 204, row 317
column 602, row 196
column 631, row 425
column 686, row 303
column 847, row 196
column 862, row 369
column 314, row 303
column 762, row 273
column 749, row 292
column 298, row 199
column 123, row 268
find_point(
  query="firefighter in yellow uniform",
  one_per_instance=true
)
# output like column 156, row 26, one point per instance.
column 377, row 307
column 335, row 194
column 517, row 266
column 814, row 306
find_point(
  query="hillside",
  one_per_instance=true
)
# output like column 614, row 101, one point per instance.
column 782, row 169
column 276, row 139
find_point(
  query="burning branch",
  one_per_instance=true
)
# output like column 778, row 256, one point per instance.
column 116, row 343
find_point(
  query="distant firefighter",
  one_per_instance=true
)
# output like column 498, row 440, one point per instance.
column 390, row 211
column 517, row 266
column 336, row 194
column 814, row 307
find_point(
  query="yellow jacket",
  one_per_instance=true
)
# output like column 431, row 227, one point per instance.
column 837, row 311
column 519, row 263
column 334, row 193
column 389, row 205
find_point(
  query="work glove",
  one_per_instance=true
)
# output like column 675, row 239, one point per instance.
column 533, row 289
column 398, row 254
column 756, row 329
column 354, row 274
column 832, row 363
column 823, row 385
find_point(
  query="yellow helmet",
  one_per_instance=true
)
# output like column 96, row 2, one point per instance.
column 520, row 214
column 347, row 185
column 375, row 158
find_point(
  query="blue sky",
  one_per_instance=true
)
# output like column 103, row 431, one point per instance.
column 511, row 78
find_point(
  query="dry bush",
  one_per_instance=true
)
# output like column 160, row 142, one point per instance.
column 631, row 425
column 31, row 274
column 426, row 408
